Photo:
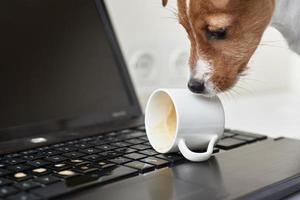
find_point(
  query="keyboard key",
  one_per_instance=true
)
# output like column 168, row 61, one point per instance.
column 125, row 150
column 58, row 145
column 156, row 162
column 72, row 142
column 6, row 191
column 105, row 147
column 40, row 171
column 142, row 167
column 121, row 144
column 90, row 151
column 4, row 172
column 76, row 161
column 83, row 145
column 230, row 143
column 144, row 138
column 98, row 142
column 113, row 139
column 141, row 128
column 228, row 134
column 173, row 158
column 46, row 180
column 24, row 196
column 38, row 163
column 14, row 155
column 245, row 138
column 135, row 156
column 120, row 160
column 92, row 157
column 19, row 168
column 141, row 147
column 257, row 136
column 56, row 159
column 132, row 135
column 66, row 149
column 147, row 143
column 27, row 185
column 216, row 150
column 85, row 167
column 109, row 154
column 114, row 173
column 104, row 164
column 112, row 134
column 42, row 149
column 33, row 156
column 67, row 174
column 51, row 153
column 126, row 131
column 59, row 166
column 149, row 152
column 85, row 140
column 73, row 154
column 4, row 181
column 20, row 176
column 135, row 141
column 32, row 151
column 14, row 161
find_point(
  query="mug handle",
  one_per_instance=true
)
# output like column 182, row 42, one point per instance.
column 197, row 157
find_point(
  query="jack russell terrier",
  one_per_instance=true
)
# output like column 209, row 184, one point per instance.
column 224, row 34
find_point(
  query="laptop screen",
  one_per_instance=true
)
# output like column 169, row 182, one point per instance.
column 58, row 63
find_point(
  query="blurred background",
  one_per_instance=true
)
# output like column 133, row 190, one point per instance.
column 156, row 49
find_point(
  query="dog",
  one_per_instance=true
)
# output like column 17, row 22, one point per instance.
column 224, row 34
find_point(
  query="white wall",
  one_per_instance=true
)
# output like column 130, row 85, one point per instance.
column 156, row 50
column 295, row 73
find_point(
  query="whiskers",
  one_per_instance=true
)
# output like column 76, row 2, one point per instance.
column 174, row 16
column 243, row 87
column 273, row 43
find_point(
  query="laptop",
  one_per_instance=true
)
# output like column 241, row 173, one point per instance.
column 71, row 126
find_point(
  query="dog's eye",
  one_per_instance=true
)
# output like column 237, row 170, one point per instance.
column 218, row 34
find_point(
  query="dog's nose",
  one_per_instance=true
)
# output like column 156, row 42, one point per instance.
column 196, row 86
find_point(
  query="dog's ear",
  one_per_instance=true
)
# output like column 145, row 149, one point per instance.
column 164, row 2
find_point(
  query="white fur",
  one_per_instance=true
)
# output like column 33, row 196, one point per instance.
column 286, row 19
column 203, row 72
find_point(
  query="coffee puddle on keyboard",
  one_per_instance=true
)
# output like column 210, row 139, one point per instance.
column 89, row 178
column 102, row 176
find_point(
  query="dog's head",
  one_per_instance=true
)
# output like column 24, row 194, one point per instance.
column 224, row 35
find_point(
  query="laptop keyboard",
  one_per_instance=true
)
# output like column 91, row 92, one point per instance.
column 51, row 171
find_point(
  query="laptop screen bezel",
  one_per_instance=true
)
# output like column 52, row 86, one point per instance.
column 50, row 127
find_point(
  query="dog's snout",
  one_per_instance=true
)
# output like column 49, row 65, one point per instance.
column 196, row 86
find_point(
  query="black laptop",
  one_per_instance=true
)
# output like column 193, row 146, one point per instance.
column 71, row 126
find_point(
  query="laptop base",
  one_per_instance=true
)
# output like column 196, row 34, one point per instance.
column 264, row 170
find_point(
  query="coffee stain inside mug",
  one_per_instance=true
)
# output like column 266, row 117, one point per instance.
column 167, row 127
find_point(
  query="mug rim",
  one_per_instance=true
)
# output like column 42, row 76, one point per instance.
column 154, row 93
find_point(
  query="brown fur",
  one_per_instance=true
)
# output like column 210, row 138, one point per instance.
column 245, row 20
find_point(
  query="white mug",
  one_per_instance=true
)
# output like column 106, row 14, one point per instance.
column 177, row 120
